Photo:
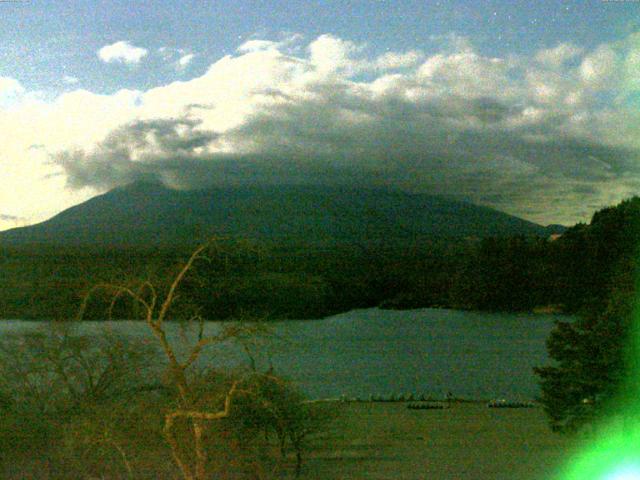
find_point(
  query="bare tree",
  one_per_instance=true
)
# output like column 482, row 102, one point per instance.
column 155, row 308
column 256, row 402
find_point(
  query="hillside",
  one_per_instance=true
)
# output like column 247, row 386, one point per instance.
column 147, row 213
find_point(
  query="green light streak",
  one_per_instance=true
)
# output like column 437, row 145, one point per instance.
column 614, row 454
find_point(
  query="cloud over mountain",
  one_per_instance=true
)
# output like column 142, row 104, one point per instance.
column 520, row 134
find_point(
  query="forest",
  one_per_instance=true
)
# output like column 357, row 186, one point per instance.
column 568, row 274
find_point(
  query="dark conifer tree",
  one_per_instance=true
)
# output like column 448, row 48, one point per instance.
column 595, row 355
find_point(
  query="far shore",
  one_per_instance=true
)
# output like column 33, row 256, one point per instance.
column 541, row 310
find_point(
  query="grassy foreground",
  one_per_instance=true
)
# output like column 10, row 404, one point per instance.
column 380, row 441
column 468, row 441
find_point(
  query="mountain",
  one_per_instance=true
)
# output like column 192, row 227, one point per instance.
column 149, row 213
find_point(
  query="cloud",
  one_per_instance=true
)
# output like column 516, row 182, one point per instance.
column 166, row 52
column 531, row 136
column 600, row 67
column 394, row 60
column 329, row 54
column 70, row 80
column 256, row 46
column 10, row 86
column 11, row 221
column 122, row 52
column 177, row 58
column 466, row 74
column 185, row 60
column 556, row 57
column 11, row 91
column 141, row 150
column 286, row 43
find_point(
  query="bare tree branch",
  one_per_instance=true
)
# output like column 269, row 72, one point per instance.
column 176, row 282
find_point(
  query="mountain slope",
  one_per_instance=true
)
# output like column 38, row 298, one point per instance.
column 147, row 213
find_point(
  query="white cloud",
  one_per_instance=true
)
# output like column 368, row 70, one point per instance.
column 455, row 122
column 330, row 54
column 556, row 57
column 167, row 53
column 256, row 46
column 177, row 58
column 122, row 52
column 600, row 67
column 185, row 60
column 285, row 43
column 393, row 60
column 467, row 74
column 10, row 86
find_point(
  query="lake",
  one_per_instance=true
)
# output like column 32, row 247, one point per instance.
column 385, row 352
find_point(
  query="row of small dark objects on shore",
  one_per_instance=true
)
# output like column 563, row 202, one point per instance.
column 424, row 402
column 407, row 397
column 506, row 404
column 445, row 405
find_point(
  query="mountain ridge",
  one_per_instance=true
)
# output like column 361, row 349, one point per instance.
column 150, row 213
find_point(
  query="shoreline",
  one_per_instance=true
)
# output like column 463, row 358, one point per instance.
column 538, row 311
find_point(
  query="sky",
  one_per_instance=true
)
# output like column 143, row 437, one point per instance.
column 530, row 107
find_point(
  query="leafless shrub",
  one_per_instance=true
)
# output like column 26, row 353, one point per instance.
column 52, row 379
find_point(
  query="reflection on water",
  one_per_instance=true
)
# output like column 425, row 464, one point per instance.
column 379, row 352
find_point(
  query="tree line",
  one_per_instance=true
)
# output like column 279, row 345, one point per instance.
column 511, row 274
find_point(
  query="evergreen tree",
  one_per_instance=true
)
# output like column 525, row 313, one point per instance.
column 594, row 355
column 591, row 365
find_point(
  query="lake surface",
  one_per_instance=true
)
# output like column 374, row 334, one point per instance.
column 383, row 352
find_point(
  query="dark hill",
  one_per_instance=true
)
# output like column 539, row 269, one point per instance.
column 147, row 213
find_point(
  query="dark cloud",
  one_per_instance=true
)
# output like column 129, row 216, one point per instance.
column 141, row 150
